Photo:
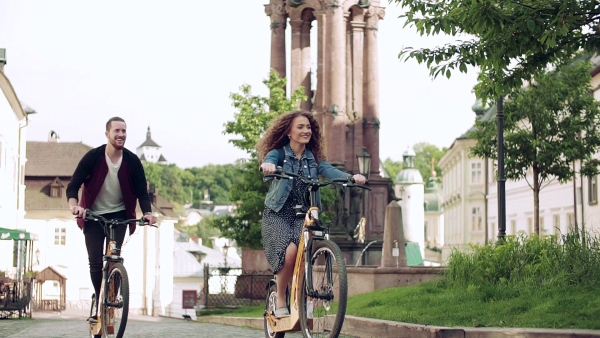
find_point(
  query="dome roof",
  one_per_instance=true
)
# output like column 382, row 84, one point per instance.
column 433, row 196
column 409, row 175
column 433, row 202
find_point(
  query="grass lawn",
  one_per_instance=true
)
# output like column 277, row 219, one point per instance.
column 432, row 304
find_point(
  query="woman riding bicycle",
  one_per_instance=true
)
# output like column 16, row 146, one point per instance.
column 298, row 134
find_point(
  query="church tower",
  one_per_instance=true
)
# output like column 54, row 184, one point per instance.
column 150, row 151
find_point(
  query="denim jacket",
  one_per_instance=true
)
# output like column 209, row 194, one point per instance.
column 279, row 190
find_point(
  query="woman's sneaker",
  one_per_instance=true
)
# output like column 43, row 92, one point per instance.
column 281, row 312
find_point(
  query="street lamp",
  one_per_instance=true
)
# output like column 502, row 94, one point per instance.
column 364, row 168
column 364, row 163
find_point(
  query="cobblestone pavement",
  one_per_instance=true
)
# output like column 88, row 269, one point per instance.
column 73, row 324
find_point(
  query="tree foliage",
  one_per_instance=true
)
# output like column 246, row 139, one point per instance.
column 254, row 113
column 510, row 40
column 424, row 153
column 548, row 126
column 187, row 186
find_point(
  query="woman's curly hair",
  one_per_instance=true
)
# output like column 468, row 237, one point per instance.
column 276, row 136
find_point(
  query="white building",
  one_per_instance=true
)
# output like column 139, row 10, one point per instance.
column 13, row 123
column 409, row 187
column 471, row 197
column 149, row 151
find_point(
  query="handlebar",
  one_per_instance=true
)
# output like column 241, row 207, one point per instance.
column 346, row 182
column 93, row 216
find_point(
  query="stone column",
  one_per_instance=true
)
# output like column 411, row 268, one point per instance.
column 276, row 10
column 305, row 70
column 296, row 57
column 336, row 66
column 371, row 87
column 358, row 31
column 321, row 73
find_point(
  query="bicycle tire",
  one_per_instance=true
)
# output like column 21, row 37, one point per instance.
column 92, row 308
column 115, row 307
column 270, row 306
column 329, row 311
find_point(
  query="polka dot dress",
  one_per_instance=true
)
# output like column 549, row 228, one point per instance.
column 279, row 229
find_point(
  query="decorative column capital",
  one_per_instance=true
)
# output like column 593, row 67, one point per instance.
column 296, row 25
column 277, row 12
column 373, row 15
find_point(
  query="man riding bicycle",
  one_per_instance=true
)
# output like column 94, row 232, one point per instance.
column 113, row 181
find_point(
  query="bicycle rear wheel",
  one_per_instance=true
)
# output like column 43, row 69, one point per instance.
column 115, row 307
column 322, row 314
column 270, row 306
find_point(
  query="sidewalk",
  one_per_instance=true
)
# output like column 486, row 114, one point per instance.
column 370, row 328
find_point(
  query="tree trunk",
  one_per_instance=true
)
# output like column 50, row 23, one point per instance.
column 536, row 200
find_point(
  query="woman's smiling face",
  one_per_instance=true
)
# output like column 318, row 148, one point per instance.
column 300, row 130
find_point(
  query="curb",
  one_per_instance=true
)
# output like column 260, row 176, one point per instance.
column 374, row 328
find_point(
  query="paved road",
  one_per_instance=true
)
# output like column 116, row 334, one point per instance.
column 73, row 324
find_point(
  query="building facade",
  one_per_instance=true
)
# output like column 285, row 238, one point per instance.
column 13, row 123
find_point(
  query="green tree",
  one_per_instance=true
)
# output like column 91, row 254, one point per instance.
column 392, row 167
column 250, row 121
column 510, row 41
column 548, row 126
column 425, row 152
column 217, row 180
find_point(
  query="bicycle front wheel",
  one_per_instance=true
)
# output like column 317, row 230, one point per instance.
column 115, row 307
column 322, row 311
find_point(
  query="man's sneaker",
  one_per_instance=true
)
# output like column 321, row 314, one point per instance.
column 93, row 320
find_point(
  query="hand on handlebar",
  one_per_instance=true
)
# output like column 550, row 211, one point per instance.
column 151, row 219
column 359, row 179
column 268, row 168
column 78, row 211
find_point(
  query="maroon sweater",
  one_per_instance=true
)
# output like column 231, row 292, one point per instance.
column 91, row 172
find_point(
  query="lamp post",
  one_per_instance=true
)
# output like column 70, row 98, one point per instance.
column 364, row 168
column 501, row 177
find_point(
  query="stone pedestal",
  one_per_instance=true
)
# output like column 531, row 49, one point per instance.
column 393, row 251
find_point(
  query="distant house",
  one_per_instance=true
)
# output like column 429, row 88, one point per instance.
column 149, row 151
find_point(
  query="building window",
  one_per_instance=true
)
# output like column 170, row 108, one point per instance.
column 55, row 191
column 543, row 230
column 476, row 219
column 60, row 236
column 530, row 224
column 476, row 177
column 513, row 226
column 556, row 224
column 570, row 222
column 593, row 190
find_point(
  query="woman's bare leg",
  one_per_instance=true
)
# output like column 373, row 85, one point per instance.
column 284, row 275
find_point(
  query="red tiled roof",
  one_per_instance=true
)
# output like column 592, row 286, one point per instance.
column 53, row 159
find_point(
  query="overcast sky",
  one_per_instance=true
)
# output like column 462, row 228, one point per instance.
column 172, row 65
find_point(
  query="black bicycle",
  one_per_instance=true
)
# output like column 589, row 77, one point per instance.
column 319, row 290
column 113, row 305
